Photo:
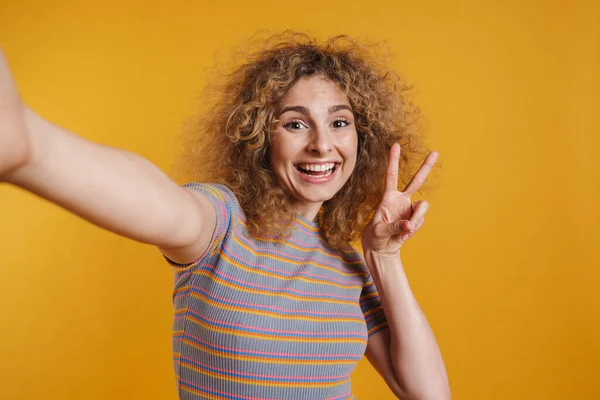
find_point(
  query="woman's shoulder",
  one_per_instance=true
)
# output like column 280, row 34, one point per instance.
column 216, row 190
column 218, row 193
column 223, row 199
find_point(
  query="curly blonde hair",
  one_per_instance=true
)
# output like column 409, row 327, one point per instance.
column 227, row 141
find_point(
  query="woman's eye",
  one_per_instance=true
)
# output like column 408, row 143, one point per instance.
column 294, row 125
column 340, row 123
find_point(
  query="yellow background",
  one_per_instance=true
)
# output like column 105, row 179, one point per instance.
column 506, row 267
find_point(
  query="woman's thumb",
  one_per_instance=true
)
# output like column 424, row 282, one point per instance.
column 394, row 228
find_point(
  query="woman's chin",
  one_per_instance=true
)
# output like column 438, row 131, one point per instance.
column 314, row 195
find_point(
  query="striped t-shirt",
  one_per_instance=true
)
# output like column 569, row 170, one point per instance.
column 267, row 318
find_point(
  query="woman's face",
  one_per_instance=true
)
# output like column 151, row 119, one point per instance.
column 313, row 149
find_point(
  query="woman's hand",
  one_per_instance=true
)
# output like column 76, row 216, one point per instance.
column 397, row 218
column 15, row 148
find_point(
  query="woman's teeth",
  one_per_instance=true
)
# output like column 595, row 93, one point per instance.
column 316, row 167
column 320, row 170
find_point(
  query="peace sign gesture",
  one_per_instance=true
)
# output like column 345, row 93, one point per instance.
column 397, row 217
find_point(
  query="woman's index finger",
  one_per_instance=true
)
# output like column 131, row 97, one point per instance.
column 391, row 176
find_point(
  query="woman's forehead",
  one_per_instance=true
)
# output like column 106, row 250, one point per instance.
column 314, row 91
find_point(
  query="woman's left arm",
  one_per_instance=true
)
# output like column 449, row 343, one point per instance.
column 407, row 350
column 409, row 343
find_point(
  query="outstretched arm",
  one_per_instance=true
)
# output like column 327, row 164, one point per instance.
column 112, row 188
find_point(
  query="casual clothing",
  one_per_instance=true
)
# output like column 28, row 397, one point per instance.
column 268, row 318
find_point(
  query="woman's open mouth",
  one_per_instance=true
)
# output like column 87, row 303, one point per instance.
column 317, row 173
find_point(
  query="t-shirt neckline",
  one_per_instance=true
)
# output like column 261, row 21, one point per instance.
column 312, row 224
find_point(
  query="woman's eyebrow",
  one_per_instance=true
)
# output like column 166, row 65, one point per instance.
column 305, row 111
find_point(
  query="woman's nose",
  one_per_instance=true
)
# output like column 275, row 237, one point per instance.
column 320, row 141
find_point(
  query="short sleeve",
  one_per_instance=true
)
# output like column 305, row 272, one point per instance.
column 372, row 308
column 225, row 205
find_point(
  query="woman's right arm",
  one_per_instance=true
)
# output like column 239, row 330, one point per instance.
column 112, row 188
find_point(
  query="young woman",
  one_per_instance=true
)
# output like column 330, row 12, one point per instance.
column 271, row 301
